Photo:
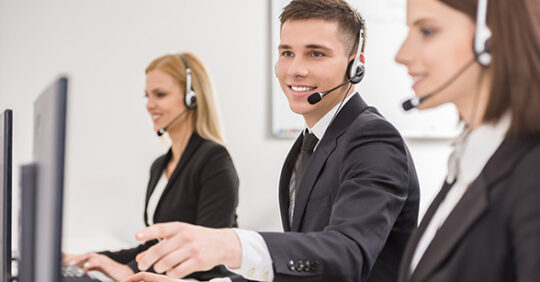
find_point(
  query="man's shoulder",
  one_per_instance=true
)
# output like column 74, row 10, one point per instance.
column 370, row 122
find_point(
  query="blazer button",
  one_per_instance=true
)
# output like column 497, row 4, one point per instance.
column 299, row 265
column 308, row 266
column 291, row 265
column 314, row 266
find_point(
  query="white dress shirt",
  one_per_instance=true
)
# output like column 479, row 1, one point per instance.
column 471, row 153
column 154, row 198
column 256, row 260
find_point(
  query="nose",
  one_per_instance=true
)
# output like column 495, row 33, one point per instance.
column 297, row 67
column 404, row 55
column 150, row 104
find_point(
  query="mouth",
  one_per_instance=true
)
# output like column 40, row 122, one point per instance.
column 417, row 79
column 155, row 117
column 301, row 90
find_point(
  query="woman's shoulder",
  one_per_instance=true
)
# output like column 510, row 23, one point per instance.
column 211, row 147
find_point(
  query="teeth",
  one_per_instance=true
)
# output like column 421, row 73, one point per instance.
column 302, row 88
column 417, row 77
column 154, row 117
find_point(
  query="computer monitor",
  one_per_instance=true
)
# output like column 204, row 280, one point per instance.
column 50, row 110
column 6, row 145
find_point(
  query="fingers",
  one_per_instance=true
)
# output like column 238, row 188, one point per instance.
column 171, row 260
column 67, row 258
column 158, row 251
column 78, row 260
column 160, row 231
column 184, row 269
column 148, row 277
column 139, row 256
column 92, row 262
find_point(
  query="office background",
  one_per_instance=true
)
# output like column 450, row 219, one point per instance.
column 104, row 47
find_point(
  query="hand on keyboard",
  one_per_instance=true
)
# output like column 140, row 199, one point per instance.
column 90, row 262
column 151, row 277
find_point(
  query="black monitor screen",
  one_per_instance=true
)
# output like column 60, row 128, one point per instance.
column 6, row 137
column 48, row 154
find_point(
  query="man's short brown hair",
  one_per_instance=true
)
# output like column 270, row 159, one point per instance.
column 349, row 20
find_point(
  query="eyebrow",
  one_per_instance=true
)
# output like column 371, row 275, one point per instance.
column 155, row 90
column 309, row 46
column 422, row 21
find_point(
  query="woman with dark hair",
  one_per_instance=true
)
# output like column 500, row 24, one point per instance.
column 484, row 57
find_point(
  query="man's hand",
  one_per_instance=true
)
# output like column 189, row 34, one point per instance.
column 187, row 248
column 150, row 277
column 113, row 269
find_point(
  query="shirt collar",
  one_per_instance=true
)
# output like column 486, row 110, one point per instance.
column 473, row 150
column 320, row 127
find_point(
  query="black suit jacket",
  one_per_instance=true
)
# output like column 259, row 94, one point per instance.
column 355, row 207
column 202, row 190
column 493, row 233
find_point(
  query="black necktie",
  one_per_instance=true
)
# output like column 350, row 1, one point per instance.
column 308, row 144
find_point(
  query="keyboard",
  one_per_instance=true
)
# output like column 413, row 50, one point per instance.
column 72, row 273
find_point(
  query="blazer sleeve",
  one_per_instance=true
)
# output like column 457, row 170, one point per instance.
column 218, row 194
column 127, row 256
column 525, row 221
column 373, row 188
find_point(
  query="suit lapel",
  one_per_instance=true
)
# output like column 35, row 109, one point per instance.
column 417, row 234
column 326, row 146
column 473, row 204
column 285, row 180
column 471, row 207
column 155, row 175
column 194, row 142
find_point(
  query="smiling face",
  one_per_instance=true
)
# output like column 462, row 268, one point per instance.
column 312, row 58
column 165, row 98
column 438, row 45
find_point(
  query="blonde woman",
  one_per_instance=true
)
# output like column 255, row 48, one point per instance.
column 195, row 181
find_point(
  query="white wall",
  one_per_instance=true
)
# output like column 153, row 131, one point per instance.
column 104, row 47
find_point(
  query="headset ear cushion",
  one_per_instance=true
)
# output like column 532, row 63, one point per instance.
column 356, row 71
column 360, row 71
column 191, row 99
column 350, row 72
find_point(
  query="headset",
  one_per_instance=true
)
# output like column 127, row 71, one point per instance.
column 356, row 68
column 482, row 55
column 482, row 36
column 190, row 98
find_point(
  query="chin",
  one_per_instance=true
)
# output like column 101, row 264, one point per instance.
column 300, row 107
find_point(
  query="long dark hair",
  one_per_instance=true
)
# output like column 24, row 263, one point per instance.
column 515, row 69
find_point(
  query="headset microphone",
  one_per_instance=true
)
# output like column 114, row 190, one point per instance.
column 414, row 102
column 317, row 96
column 355, row 69
column 161, row 131
column 481, row 49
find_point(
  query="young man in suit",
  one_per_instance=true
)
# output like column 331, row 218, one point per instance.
column 348, row 191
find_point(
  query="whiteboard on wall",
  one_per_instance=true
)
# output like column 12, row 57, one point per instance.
column 386, row 84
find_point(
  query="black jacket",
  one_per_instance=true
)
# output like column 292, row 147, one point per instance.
column 493, row 233
column 202, row 190
column 355, row 207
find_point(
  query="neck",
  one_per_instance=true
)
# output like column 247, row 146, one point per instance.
column 313, row 117
column 474, row 106
column 180, row 135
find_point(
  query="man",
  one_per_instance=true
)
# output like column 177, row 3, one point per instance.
column 348, row 191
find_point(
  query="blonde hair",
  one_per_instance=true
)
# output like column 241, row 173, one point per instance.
column 206, row 118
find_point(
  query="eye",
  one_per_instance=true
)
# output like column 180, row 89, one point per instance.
column 287, row 54
column 427, row 32
column 161, row 94
column 317, row 54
